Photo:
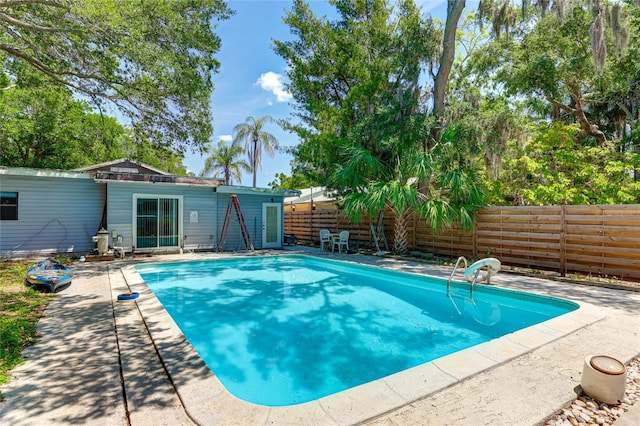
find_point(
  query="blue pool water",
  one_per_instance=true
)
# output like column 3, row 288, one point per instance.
column 284, row 330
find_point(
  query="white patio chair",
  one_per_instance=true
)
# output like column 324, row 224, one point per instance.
column 342, row 240
column 118, row 247
column 325, row 237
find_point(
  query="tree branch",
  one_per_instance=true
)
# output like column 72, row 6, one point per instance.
column 45, row 69
column 8, row 19
column 625, row 110
column 560, row 105
column 587, row 128
column 56, row 76
column 578, row 112
column 14, row 3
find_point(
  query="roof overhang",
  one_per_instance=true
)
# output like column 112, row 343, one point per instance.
column 110, row 177
column 46, row 173
column 232, row 189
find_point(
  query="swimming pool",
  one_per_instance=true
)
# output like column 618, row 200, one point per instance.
column 284, row 330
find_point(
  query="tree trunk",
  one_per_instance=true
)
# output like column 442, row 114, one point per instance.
column 454, row 10
column 255, row 159
column 400, row 233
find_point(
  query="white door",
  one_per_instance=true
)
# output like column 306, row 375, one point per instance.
column 271, row 225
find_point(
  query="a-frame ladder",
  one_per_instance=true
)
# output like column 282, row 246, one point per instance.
column 234, row 204
column 377, row 231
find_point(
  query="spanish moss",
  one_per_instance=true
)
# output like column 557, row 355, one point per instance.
column 598, row 44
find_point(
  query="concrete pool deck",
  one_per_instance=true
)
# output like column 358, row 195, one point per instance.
column 97, row 364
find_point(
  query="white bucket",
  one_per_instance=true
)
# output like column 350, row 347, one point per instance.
column 604, row 378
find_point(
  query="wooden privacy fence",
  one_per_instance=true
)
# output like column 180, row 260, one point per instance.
column 601, row 240
column 306, row 226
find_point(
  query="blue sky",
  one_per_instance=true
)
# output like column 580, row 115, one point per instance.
column 251, row 77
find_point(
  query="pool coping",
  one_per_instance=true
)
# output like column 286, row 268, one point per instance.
column 206, row 400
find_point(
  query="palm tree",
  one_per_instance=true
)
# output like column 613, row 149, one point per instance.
column 254, row 140
column 435, row 186
column 224, row 159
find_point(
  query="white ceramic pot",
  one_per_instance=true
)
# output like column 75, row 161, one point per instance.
column 604, row 378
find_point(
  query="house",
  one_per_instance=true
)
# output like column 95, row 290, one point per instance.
column 143, row 208
column 316, row 197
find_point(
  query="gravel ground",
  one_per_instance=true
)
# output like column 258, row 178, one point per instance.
column 586, row 411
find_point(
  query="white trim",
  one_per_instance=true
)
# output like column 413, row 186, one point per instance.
column 278, row 242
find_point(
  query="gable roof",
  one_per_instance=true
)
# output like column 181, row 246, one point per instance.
column 123, row 165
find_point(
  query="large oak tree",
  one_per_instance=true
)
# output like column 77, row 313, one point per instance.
column 43, row 126
column 552, row 100
column 152, row 60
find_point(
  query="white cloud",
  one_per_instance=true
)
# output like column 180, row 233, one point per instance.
column 272, row 82
column 429, row 5
column 226, row 138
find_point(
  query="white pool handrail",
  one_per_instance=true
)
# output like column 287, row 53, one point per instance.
column 460, row 259
column 472, row 273
column 490, row 263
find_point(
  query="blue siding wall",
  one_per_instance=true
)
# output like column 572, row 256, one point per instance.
column 62, row 213
column 55, row 215
column 198, row 204
column 234, row 235
column 251, row 206
column 201, row 234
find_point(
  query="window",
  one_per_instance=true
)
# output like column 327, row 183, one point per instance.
column 8, row 206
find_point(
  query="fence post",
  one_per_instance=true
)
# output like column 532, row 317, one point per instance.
column 474, row 239
column 563, row 239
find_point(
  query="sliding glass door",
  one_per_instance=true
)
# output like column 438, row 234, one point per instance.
column 157, row 221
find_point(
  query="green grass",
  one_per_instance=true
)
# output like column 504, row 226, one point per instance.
column 20, row 309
